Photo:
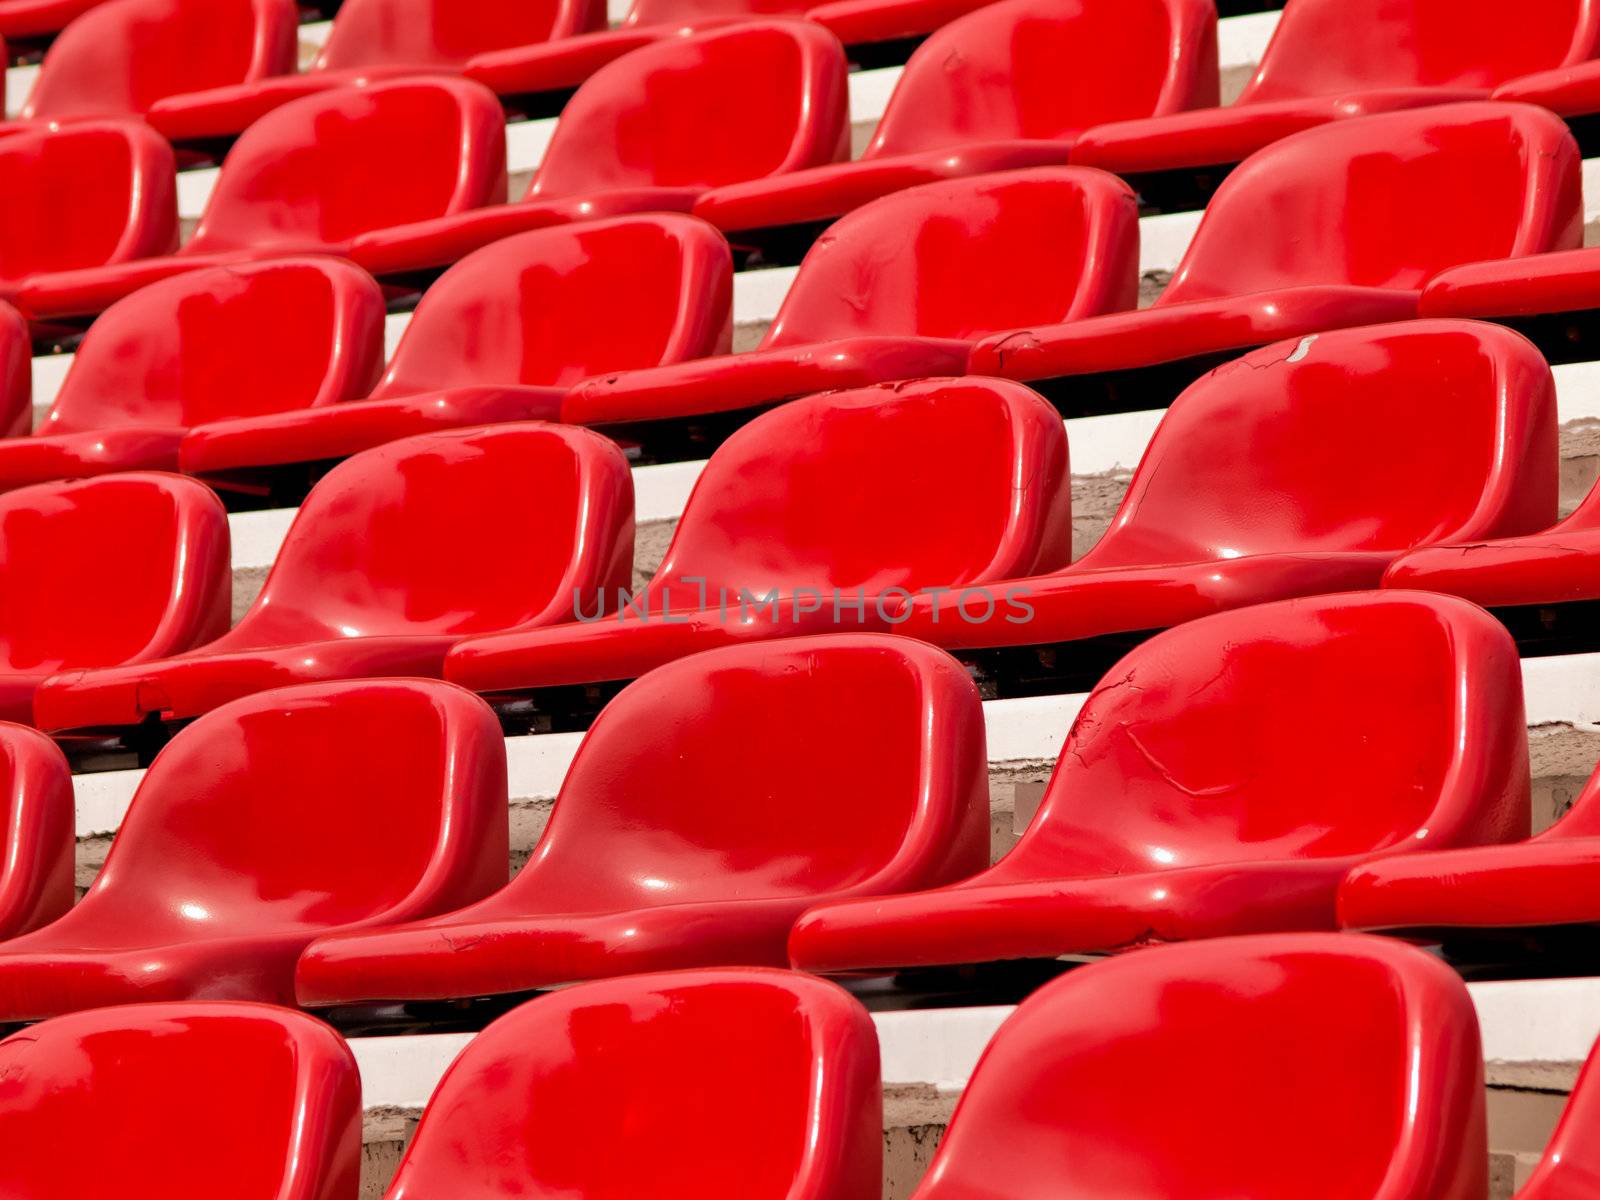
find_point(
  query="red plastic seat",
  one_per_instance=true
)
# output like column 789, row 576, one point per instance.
column 1571, row 91
column 311, row 178
column 901, row 288
column 1181, row 807
column 181, row 352
column 123, row 57
column 16, row 373
column 31, row 20
column 642, row 1086
column 120, row 569
column 1008, row 86
column 1266, row 480
column 654, row 131
column 1568, row 1170
column 503, row 334
column 394, row 557
column 1333, row 59
column 1355, row 1064
column 1328, row 228
column 183, row 1102
column 379, row 39
column 824, row 514
column 36, row 833
column 880, row 32
column 1553, row 298
column 266, row 823
column 700, row 818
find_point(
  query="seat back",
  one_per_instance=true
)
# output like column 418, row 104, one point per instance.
column 460, row 532
column 180, row 1096
column 116, row 569
column 1127, row 1078
column 969, row 256
column 37, row 846
column 1047, row 69
column 1275, row 452
column 120, row 58
column 641, row 1086
column 1193, row 749
column 16, row 373
column 320, row 170
column 540, row 308
column 702, row 781
column 84, row 196
column 183, row 351
column 445, row 33
column 1324, row 47
column 669, row 115
column 1368, row 202
column 940, row 482
column 644, row 13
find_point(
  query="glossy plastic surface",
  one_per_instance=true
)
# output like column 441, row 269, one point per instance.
column 37, row 845
column 272, row 820
column 1569, row 1169
column 313, row 176
column 641, row 1086
column 699, row 819
column 505, row 332
column 1332, row 59
column 1564, row 282
column 377, row 39
column 1126, row 1077
column 124, row 56
column 1011, row 85
column 120, row 569
column 1248, row 491
column 175, row 354
column 391, row 561
column 1181, row 807
column 1333, row 227
column 16, row 374
column 39, row 18
column 837, row 507
column 860, row 22
column 900, row 288
column 182, row 1101
column 1572, row 90
column 654, row 131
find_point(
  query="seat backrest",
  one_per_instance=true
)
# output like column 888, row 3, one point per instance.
column 642, row 1085
column 184, row 351
column 1374, row 202
column 933, row 483
column 687, row 12
column 540, row 308
column 110, row 570
column 1324, row 47
column 37, row 845
column 460, row 532
column 323, row 169
column 1048, row 69
column 1570, row 1168
column 445, row 33
column 969, row 256
column 84, row 196
column 1278, row 452
column 120, row 58
column 702, row 781
column 1128, row 1078
column 16, row 373
column 180, row 1096
column 669, row 115
column 1193, row 749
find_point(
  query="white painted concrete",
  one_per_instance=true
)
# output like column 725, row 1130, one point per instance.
column 19, row 82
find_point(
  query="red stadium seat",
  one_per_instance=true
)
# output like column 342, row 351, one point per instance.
column 171, row 355
column 379, row 39
column 1334, row 59
column 501, row 336
column 701, row 817
column 1249, row 492
column 272, row 820
column 642, row 1087
column 311, row 178
column 39, row 20
column 125, row 56
column 1008, row 86
column 36, row 834
column 824, row 514
column 120, row 569
column 1553, row 298
column 654, row 131
column 1569, row 1170
column 1354, row 1063
column 183, row 1102
column 900, row 289
column 1332, row 227
column 1571, row 91
column 16, row 373
column 394, row 557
